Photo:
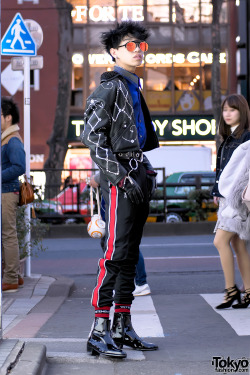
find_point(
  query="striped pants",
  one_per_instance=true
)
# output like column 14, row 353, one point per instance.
column 124, row 227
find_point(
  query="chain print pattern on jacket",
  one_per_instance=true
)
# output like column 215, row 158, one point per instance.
column 110, row 128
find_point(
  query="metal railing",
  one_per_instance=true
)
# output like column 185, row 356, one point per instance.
column 71, row 200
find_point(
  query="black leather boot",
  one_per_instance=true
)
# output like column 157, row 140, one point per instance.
column 123, row 333
column 101, row 342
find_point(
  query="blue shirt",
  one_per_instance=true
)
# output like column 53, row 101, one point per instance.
column 134, row 88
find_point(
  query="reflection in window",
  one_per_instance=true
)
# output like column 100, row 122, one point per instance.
column 158, row 87
column 206, row 11
column 185, row 11
column 132, row 9
column 223, row 13
column 158, row 10
column 77, row 80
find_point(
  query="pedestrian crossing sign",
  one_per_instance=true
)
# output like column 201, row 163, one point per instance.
column 17, row 41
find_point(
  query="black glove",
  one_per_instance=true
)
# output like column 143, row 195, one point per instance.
column 151, row 180
column 133, row 190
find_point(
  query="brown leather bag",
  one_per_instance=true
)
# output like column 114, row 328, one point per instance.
column 26, row 193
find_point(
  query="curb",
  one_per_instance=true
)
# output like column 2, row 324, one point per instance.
column 27, row 358
column 150, row 229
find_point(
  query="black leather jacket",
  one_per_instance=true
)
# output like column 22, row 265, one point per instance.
column 110, row 127
column 225, row 152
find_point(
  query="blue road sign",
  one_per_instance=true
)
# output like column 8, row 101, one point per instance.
column 17, row 40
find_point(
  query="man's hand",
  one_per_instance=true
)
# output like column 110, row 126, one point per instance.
column 133, row 190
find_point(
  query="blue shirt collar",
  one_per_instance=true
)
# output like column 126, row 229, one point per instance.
column 133, row 78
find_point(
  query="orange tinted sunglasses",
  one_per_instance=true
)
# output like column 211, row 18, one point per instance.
column 131, row 46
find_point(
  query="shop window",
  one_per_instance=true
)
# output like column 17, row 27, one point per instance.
column 186, row 34
column 187, row 85
column 158, row 87
column 77, row 80
column 206, row 11
column 132, row 9
column 158, row 10
column 224, row 12
column 206, row 77
column 185, row 11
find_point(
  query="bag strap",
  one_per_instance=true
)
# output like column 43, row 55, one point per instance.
column 92, row 202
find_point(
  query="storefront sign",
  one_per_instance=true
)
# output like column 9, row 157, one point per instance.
column 168, row 128
column 181, row 128
column 193, row 57
column 76, row 126
column 99, row 13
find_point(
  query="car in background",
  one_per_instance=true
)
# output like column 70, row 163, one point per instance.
column 49, row 211
column 177, row 205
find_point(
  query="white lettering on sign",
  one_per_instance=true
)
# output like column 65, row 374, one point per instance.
column 98, row 13
column 182, row 127
column 161, row 58
column 77, row 124
column 161, row 126
column 36, row 158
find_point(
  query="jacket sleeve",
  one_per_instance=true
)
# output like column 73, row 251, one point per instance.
column 147, row 164
column 96, row 136
column 16, row 155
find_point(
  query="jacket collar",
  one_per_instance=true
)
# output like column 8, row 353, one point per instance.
column 126, row 74
column 10, row 132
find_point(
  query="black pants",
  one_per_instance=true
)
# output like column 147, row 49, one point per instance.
column 124, row 227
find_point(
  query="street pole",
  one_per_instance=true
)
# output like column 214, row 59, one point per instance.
column 1, row 330
column 26, row 106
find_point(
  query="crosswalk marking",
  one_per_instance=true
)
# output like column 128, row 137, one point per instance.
column 69, row 357
column 238, row 319
column 145, row 320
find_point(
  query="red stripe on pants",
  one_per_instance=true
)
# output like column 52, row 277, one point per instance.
column 110, row 248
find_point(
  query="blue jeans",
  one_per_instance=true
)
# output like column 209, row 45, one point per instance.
column 141, row 276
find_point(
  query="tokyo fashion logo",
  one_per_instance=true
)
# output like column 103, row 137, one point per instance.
column 227, row 365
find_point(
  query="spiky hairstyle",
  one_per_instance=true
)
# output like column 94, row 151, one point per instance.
column 112, row 38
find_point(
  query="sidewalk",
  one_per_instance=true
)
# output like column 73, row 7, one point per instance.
column 23, row 314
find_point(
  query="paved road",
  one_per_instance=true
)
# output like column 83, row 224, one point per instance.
column 185, row 277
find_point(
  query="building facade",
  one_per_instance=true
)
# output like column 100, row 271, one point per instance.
column 175, row 74
column 176, row 71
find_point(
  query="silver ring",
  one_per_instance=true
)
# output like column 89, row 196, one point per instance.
column 131, row 166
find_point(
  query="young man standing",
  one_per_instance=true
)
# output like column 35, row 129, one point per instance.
column 13, row 166
column 118, row 128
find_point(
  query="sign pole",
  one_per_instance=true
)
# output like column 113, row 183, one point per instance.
column 1, row 320
column 26, row 98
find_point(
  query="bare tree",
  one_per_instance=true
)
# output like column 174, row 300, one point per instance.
column 216, row 49
column 58, row 138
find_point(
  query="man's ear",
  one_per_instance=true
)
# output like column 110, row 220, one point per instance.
column 9, row 119
column 113, row 52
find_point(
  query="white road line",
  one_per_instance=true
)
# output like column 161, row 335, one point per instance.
column 185, row 257
column 177, row 244
column 53, row 340
column 239, row 320
column 69, row 357
column 145, row 320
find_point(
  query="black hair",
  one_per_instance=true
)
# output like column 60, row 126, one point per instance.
column 238, row 102
column 10, row 108
column 112, row 38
